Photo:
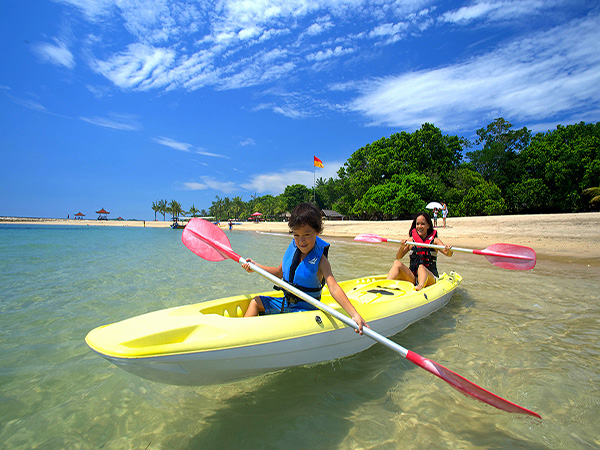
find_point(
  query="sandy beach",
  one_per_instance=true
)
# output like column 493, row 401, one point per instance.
column 574, row 237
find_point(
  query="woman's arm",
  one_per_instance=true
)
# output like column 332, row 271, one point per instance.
column 447, row 250
column 403, row 250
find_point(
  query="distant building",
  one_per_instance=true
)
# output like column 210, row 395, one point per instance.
column 329, row 214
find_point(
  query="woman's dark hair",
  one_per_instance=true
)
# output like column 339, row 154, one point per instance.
column 306, row 214
column 429, row 223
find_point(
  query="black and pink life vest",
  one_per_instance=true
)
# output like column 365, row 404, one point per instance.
column 423, row 255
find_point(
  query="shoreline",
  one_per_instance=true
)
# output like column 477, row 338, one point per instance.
column 574, row 236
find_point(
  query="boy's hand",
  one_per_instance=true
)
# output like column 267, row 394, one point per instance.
column 246, row 265
column 360, row 322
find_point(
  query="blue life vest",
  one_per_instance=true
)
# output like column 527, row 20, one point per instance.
column 303, row 274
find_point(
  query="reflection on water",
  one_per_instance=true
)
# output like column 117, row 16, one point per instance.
column 531, row 337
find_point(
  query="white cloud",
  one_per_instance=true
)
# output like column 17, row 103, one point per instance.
column 329, row 53
column 321, row 25
column 140, row 66
column 247, row 141
column 390, row 31
column 57, row 54
column 274, row 183
column 185, row 147
column 495, row 10
column 28, row 103
column 226, row 187
column 123, row 122
column 93, row 9
column 214, row 155
column 175, row 145
column 541, row 76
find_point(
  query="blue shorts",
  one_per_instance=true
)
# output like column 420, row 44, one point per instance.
column 273, row 305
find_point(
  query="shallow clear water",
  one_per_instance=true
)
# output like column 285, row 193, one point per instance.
column 530, row 337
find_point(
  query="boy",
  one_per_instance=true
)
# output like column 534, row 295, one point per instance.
column 304, row 265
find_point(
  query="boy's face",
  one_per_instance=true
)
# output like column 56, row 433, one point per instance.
column 305, row 237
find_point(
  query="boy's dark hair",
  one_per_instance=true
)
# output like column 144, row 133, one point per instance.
column 306, row 214
column 429, row 223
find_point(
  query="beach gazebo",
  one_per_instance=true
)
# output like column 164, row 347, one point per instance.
column 79, row 215
column 102, row 214
column 330, row 214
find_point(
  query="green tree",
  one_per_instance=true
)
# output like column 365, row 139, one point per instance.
column 594, row 193
column 155, row 208
column 175, row 209
column 498, row 161
column 424, row 152
column 162, row 208
column 194, row 212
column 566, row 161
column 485, row 199
column 529, row 195
column 216, row 209
column 295, row 194
column 435, row 153
column 471, row 195
column 403, row 196
column 237, row 206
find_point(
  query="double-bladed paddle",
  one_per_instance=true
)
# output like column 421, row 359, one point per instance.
column 507, row 256
column 210, row 243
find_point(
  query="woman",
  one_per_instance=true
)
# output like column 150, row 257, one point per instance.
column 423, row 268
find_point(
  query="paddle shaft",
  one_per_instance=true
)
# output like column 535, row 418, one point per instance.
column 458, row 249
column 304, row 296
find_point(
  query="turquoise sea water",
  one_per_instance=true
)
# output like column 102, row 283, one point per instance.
column 530, row 337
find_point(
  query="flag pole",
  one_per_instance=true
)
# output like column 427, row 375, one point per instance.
column 314, row 180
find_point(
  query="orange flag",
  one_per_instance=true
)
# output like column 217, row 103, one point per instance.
column 319, row 163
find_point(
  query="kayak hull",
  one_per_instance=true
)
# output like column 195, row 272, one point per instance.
column 210, row 343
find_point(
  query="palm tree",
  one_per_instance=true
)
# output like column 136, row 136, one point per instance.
column 162, row 208
column 216, row 207
column 237, row 207
column 175, row 209
column 594, row 192
column 193, row 212
column 155, row 208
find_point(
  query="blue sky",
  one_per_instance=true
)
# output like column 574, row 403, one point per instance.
column 116, row 104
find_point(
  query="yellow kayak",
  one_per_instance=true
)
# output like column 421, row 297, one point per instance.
column 210, row 342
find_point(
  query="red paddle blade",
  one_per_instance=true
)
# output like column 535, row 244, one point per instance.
column 510, row 256
column 368, row 237
column 466, row 387
column 195, row 235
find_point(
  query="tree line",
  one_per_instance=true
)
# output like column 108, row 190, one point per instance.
column 513, row 172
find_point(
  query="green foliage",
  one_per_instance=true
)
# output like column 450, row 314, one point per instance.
column 594, row 193
column 484, row 199
column 529, row 195
column 567, row 161
column 295, row 194
column 498, row 160
column 472, row 195
column 424, row 153
column 400, row 197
